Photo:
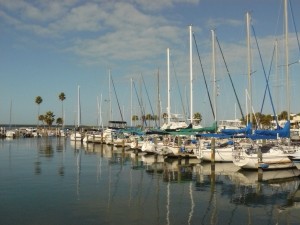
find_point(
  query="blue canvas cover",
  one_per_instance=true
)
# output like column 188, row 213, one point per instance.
column 281, row 132
column 246, row 130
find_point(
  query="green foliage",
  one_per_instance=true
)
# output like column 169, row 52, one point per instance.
column 62, row 96
column 41, row 118
column 197, row 117
column 263, row 120
column 283, row 115
column 165, row 117
column 38, row 100
column 59, row 121
column 135, row 118
column 49, row 118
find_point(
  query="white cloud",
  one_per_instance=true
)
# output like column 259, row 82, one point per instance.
column 154, row 5
column 37, row 10
column 214, row 23
column 86, row 17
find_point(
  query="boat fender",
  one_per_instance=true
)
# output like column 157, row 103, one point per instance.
column 263, row 166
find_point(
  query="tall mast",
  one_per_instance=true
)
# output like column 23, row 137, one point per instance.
column 276, row 75
column 214, row 72
column 109, row 88
column 287, row 58
column 248, row 19
column 100, row 111
column 191, row 74
column 131, row 101
column 78, row 107
column 168, row 73
column 158, row 99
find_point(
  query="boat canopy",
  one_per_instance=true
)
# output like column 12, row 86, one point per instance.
column 246, row 130
column 281, row 132
column 210, row 129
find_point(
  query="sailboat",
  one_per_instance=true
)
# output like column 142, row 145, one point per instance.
column 273, row 155
column 176, row 122
column 10, row 133
column 76, row 135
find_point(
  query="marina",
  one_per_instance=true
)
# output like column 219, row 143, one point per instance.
column 52, row 180
column 178, row 134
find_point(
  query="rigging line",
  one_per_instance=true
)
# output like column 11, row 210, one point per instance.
column 210, row 102
column 117, row 98
column 267, row 79
column 267, row 87
column 292, row 12
column 142, row 112
column 184, row 112
column 243, row 118
column 148, row 98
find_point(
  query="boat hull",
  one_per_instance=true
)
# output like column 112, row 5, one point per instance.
column 221, row 154
column 269, row 161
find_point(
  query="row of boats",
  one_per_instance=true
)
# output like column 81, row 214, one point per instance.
column 246, row 152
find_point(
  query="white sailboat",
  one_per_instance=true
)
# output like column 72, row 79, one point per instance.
column 263, row 156
column 10, row 133
column 76, row 135
column 176, row 122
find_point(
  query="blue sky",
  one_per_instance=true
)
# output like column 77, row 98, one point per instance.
column 49, row 47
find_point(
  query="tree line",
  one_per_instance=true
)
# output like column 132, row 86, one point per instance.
column 49, row 117
column 149, row 117
column 264, row 120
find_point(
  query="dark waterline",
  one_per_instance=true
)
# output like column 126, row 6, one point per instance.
column 54, row 181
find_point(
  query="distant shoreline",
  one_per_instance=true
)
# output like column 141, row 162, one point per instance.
column 16, row 126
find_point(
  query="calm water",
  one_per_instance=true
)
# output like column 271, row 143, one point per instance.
column 52, row 181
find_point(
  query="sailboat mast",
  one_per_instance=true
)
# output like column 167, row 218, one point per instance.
column 191, row 75
column 168, row 73
column 276, row 75
column 287, row 58
column 100, row 111
column 248, row 19
column 158, row 99
column 10, row 111
column 78, row 107
column 214, row 72
column 109, row 87
column 131, row 101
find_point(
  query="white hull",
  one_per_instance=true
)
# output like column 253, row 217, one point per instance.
column 158, row 148
column 10, row 134
column 221, row 154
column 93, row 138
column 270, row 160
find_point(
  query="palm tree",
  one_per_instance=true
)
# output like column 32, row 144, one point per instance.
column 49, row 118
column 165, row 117
column 283, row 115
column 197, row 117
column 38, row 101
column 42, row 118
column 135, row 118
column 149, row 118
column 155, row 118
column 59, row 121
column 62, row 97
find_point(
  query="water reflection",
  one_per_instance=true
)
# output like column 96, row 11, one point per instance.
column 45, row 147
column 110, row 185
